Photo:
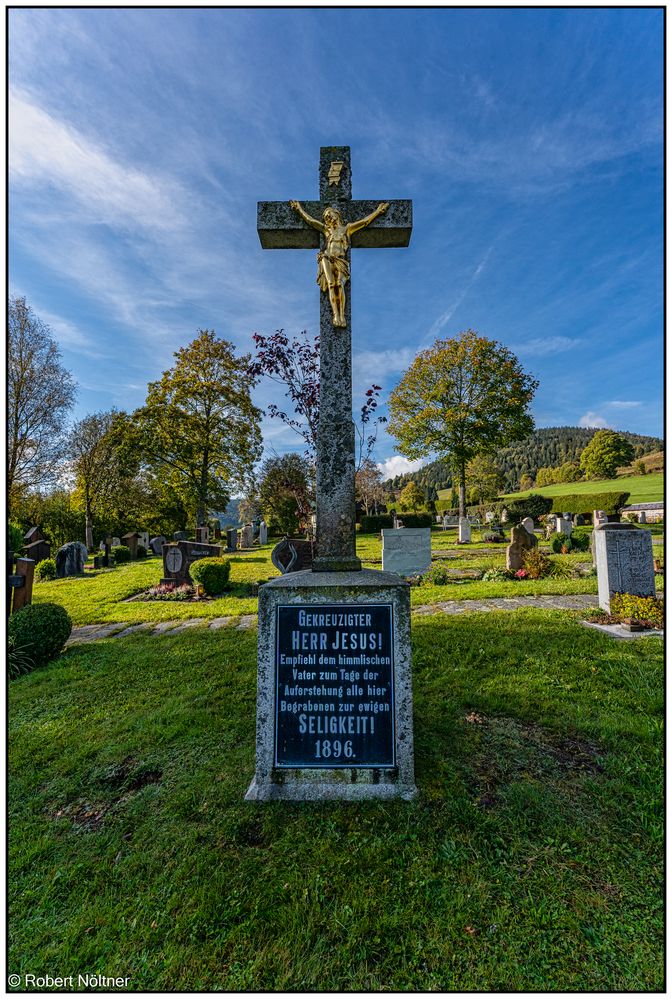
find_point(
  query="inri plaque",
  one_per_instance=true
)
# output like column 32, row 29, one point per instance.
column 334, row 690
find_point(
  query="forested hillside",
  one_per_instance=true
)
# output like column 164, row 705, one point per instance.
column 548, row 447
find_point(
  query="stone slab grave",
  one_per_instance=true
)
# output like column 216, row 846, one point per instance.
column 247, row 537
column 293, row 555
column 203, row 535
column 232, row 539
column 528, row 524
column 407, row 550
column 334, row 702
column 624, row 559
column 464, row 531
column 521, row 541
column 563, row 526
column 156, row 544
column 263, row 533
column 179, row 556
column 70, row 559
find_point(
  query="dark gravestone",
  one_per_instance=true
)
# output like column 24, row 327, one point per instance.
column 180, row 536
column 292, row 555
column 178, row 557
column 156, row 544
column 131, row 542
column 232, row 539
column 70, row 559
column 202, row 535
column 38, row 550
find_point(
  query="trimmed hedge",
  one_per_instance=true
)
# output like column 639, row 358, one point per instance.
column 611, row 503
column 376, row 522
column 416, row 519
column 211, row 573
column 40, row 631
column 535, row 505
column 121, row 553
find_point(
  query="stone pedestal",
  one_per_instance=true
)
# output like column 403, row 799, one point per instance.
column 334, row 700
column 624, row 559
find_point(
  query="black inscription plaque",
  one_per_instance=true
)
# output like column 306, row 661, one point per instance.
column 334, row 689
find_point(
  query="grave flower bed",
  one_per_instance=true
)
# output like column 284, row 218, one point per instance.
column 635, row 613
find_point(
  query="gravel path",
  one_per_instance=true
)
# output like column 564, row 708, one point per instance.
column 92, row 632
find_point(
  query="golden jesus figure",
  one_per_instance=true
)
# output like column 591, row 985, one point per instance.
column 333, row 269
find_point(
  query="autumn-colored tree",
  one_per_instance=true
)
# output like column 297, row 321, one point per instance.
column 526, row 482
column 485, row 478
column 40, row 392
column 198, row 429
column 464, row 396
column 295, row 364
column 411, row 497
column 606, row 452
column 369, row 488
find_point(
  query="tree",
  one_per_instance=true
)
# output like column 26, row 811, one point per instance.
column 526, row 482
column 40, row 393
column 462, row 397
column 103, row 472
column 198, row 429
column 606, row 452
column 411, row 497
column 285, row 492
column 639, row 467
column 369, row 488
column 296, row 365
column 485, row 477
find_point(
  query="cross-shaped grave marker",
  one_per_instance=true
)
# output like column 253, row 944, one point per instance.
column 302, row 226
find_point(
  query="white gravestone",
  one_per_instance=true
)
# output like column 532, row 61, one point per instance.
column 263, row 533
column 624, row 558
column 489, row 517
column 528, row 524
column 563, row 526
column 407, row 550
column 464, row 531
column 599, row 517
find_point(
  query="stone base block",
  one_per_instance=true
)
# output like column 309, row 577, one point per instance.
column 334, row 698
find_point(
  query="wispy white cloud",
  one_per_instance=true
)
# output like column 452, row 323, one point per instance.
column 592, row 420
column 398, row 465
column 446, row 316
column 544, row 346
column 624, row 403
column 51, row 152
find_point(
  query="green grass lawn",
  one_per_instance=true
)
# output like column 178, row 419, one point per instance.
column 102, row 596
column 533, row 859
column 642, row 488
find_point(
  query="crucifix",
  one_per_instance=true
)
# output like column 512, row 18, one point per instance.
column 333, row 225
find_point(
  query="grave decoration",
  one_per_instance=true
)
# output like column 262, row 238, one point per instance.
column 334, row 705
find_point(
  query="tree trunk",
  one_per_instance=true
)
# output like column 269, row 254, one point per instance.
column 462, row 502
column 89, row 525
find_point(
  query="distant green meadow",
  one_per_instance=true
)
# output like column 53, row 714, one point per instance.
column 642, row 488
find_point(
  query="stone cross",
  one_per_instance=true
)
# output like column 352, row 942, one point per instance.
column 281, row 227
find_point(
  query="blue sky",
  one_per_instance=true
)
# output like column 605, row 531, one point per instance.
column 529, row 140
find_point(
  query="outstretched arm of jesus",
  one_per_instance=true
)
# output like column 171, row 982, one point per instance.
column 362, row 223
column 316, row 224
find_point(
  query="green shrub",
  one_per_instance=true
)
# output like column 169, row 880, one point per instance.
column 559, row 541
column 19, row 660
column 496, row 574
column 141, row 552
column 40, row 631
column 46, row 569
column 537, row 563
column 580, row 542
column 375, row 523
column 121, row 554
column 587, row 502
column 14, row 537
column 562, row 568
column 212, row 574
column 417, row 519
column 493, row 537
column 438, row 575
column 648, row 610
column 532, row 506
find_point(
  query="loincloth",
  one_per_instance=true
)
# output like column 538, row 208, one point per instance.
column 339, row 265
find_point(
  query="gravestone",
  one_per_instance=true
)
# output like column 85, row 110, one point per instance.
column 217, row 529
column 143, row 539
column 580, row 520
column 528, row 524
column 70, row 559
column 179, row 556
column 247, row 537
column 463, row 531
column 263, row 533
column 293, row 555
column 563, row 526
column 131, row 542
column 232, row 539
column 624, row 559
column 407, row 551
column 38, row 550
column 156, row 544
column 521, row 541
column 203, row 535
column 180, row 536
column 489, row 516
column 115, row 542
column 334, row 704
